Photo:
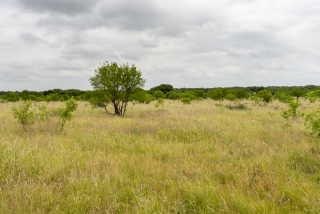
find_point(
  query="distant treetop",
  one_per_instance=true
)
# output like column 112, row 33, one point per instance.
column 165, row 88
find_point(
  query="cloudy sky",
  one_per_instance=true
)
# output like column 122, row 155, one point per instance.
column 46, row 44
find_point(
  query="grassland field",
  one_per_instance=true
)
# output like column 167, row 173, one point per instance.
column 198, row 158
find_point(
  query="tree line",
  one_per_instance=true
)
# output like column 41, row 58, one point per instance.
column 167, row 91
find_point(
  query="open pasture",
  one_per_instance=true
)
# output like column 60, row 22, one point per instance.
column 198, row 158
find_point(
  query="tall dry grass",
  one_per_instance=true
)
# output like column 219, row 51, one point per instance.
column 198, row 158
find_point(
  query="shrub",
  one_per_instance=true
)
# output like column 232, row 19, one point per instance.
column 142, row 96
column 312, row 121
column 43, row 113
column 66, row 112
column 99, row 99
column 158, row 94
column 23, row 113
column 11, row 97
column 173, row 95
column 159, row 103
column 265, row 95
column 255, row 99
column 238, row 106
column 313, row 95
column 185, row 100
column 292, row 111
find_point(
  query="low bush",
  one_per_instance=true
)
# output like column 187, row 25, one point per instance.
column 65, row 113
column 312, row 121
column 23, row 113
column 185, row 100
column 238, row 106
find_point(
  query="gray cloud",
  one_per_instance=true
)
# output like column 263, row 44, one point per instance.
column 30, row 38
column 183, row 43
column 131, row 15
column 68, row 7
column 148, row 43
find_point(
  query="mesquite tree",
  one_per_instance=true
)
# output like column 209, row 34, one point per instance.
column 119, row 82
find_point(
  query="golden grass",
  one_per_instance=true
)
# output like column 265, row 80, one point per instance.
column 198, row 158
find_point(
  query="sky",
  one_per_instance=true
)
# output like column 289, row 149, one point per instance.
column 46, row 44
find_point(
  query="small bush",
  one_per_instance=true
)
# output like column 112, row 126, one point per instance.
column 159, row 103
column 292, row 111
column 185, row 100
column 312, row 121
column 66, row 112
column 238, row 106
column 24, row 114
column 43, row 113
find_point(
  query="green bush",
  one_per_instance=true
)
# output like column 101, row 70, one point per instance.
column 312, row 121
column 11, row 97
column 66, row 112
column 292, row 111
column 159, row 103
column 185, row 100
column 265, row 95
column 24, row 114
column 158, row 94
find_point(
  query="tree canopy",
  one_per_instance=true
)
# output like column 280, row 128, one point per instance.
column 120, row 82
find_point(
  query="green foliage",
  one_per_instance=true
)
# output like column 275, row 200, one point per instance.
column 158, row 94
column 165, row 88
column 283, row 97
column 296, row 92
column 23, row 113
column 313, row 95
column 217, row 94
column 265, row 95
column 172, row 95
column 199, row 94
column 312, row 121
column 294, row 106
column 241, row 94
column 65, row 113
column 255, row 99
column 25, row 95
column 55, row 97
column 42, row 116
column 43, row 113
column 11, row 96
column 292, row 111
column 142, row 96
column 159, row 103
column 185, row 100
column 120, row 82
column 231, row 97
column 99, row 99
column 286, row 114
column 187, row 94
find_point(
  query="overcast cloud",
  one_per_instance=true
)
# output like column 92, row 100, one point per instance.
column 47, row 44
